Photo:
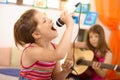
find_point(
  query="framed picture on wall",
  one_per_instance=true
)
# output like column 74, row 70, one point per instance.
column 40, row 3
column 83, row 8
column 90, row 18
column 3, row 1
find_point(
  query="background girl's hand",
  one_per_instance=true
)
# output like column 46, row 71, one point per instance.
column 67, row 65
column 96, row 65
column 80, row 45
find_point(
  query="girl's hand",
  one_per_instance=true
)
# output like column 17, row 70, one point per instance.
column 80, row 45
column 67, row 65
column 96, row 65
column 67, row 18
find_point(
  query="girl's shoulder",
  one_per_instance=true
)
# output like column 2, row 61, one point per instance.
column 109, row 54
column 29, row 46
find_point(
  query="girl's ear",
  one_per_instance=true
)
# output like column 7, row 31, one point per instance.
column 36, row 35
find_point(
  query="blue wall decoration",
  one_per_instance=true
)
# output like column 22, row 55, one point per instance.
column 90, row 18
column 84, row 8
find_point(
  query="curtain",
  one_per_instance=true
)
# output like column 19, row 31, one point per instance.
column 109, row 15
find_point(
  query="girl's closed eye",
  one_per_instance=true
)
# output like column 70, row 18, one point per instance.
column 44, row 21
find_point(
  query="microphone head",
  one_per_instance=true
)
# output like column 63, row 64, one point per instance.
column 59, row 22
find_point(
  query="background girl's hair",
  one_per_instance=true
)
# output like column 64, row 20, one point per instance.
column 24, row 28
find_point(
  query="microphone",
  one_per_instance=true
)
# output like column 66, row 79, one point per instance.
column 59, row 22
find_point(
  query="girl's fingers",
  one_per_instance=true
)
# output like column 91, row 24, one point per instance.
column 96, row 65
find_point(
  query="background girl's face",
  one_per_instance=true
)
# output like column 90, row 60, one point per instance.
column 93, row 38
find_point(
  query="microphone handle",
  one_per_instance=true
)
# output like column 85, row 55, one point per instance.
column 59, row 22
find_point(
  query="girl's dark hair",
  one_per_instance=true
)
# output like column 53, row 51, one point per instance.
column 24, row 28
column 102, row 45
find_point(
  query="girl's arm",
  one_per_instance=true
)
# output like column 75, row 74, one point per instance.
column 80, row 45
column 96, row 65
column 66, row 67
column 59, row 74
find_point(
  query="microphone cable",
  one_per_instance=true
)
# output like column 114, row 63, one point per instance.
column 74, row 62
